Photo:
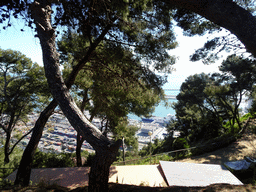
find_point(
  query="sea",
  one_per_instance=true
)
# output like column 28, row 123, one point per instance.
column 161, row 110
column 172, row 87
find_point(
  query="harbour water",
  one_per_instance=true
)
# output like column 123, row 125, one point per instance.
column 161, row 110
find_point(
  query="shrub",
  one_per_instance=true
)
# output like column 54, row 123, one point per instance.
column 42, row 159
column 180, row 143
column 214, row 144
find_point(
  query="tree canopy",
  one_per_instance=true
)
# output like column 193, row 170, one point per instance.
column 143, row 25
column 23, row 88
column 207, row 102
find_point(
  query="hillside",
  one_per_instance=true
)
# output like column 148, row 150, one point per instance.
column 244, row 146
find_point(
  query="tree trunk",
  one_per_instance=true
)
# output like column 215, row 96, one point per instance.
column 78, row 150
column 24, row 171
column 41, row 12
column 79, row 140
column 99, row 174
column 7, row 147
column 23, row 175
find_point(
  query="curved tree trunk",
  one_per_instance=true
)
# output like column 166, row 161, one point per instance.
column 106, row 152
column 237, row 20
column 23, row 175
column 24, row 171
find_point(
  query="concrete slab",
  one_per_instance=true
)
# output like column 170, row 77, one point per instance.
column 147, row 175
column 195, row 175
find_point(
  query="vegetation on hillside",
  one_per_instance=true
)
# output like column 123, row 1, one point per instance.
column 208, row 106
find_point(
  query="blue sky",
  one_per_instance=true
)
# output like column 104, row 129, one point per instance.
column 25, row 42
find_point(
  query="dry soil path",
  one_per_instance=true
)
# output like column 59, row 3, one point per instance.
column 244, row 146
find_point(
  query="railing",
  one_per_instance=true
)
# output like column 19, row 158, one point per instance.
column 154, row 159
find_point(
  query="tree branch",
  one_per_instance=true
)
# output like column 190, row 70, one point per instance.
column 19, row 141
column 226, row 14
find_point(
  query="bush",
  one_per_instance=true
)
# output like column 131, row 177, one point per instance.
column 180, row 143
column 246, row 116
column 7, row 169
column 214, row 144
column 49, row 160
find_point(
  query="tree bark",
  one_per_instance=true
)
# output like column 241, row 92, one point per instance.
column 23, row 175
column 99, row 174
column 7, row 147
column 105, row 151
column 226, row 14
column 41, row 14
column 79, row 142
column 24, row 171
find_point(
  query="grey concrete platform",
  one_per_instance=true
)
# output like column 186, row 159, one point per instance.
column 196, row 175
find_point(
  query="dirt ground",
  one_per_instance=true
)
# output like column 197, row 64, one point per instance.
column 244, row 146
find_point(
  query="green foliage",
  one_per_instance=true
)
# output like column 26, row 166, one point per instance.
column 7, row 169
column 180, row 143
column 122, row 130
column 193, row 24
column 252, row 97
column 23, row 84
column 51, row 160
column 198, row 114
column 114, row 81
column 166, row 144
column 229, row 125
column 246, row 117
column 23, row 89
column 213, row 144
column 208, row 105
